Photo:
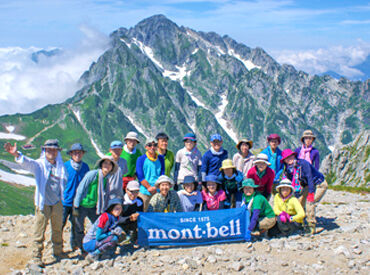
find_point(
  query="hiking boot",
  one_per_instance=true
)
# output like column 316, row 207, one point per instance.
column 311, row 229
column 94, row 256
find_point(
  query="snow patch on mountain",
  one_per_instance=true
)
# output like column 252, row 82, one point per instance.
column 17, row 179
column 10, row 128
column 148, row 52
column 223, row 122
column 11, row 136
column 247, row 63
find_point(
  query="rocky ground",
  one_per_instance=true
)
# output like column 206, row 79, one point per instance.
column 342, row 248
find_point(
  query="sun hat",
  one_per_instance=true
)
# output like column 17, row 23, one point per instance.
column 190, row 136
column 274, row 136
column 161, row 135
column 113, row 202
column 100, row 161
column 285, row 183
column 262, row 158
column 132, row 135
column 227, row 163
column 116, row 145
column 287, row 153
column 248, row 183
column 307, row 133
column 133, row 185
column 216, row 137
column 162, row 179
column 76, row 147
column 150, row 140
column 52, row 144
column 188, row 179
column 212, row 178
column 244, row 140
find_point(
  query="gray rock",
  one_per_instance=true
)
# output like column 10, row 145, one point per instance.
column 191, row 263
column 211, row 259
column 77, row 271
column 96, row 265
column 35, row 269
column 237, row 266
column 342, row 250
column 219, row 251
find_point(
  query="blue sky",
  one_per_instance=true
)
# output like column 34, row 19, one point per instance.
column 272, row 25
column 314, row 36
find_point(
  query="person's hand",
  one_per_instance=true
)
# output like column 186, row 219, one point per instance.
column 11, row 149
column 283, row 217
column 152, row 190
column 117, row 231
column 75, row 212
column 134, row 217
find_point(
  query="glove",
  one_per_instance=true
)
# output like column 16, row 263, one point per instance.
column 75, row 212
column 248, row 236
column 311, row 197
column 283, row 217
column 287, row 216
column 117, row 231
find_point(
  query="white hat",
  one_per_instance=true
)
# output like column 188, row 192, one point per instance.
column 285, row 183
column 132, row 135
column 262, row 158
column 162, row 179
column 133, row 185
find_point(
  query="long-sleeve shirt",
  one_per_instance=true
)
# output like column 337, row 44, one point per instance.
column 291, row 206
column 211, row 163
column 187, row 164
column 243, row 164
column 265, row 182
column 149, row 170
column 275, row 160
column 170, row 203
column 314, row 156
column 41, row 169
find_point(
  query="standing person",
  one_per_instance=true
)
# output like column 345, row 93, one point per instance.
column 243, row 160
column 262, row 175
column 115, row 150
column 188, row 160
column 262, row 217
column 166, row 200
column 130, row 153
column 190, row 198
column 169, row 157
column 149, row 168
column 50, row 178
column 213, row 196
column 212, row 159
column 308, row 183
column 306, row 151
column 76, row 170
column 231, row 181
column 132, row 205
column 104, row 235
column 274, row 156
column 93, row 194
column 287, row 208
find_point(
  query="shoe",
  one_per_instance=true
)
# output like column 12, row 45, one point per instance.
column 94, row 256
column 311, row 229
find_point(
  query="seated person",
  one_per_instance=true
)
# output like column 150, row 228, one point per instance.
column 262, row 215
column 191, row 199
column 213, row 196
column 166, row 200
column 132, row 204
column 231, row 181
column 289, row 211
column 105, row 233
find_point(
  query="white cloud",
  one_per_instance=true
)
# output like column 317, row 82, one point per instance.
column 26, row 86
column 338, row 59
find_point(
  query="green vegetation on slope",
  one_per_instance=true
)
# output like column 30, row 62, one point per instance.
column 16, row 200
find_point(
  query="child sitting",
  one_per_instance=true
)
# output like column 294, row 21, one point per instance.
column 213, row 196
column 104, row 234
column 289, row 211
column 262, row 215
column 191, row 199
column 231, row 180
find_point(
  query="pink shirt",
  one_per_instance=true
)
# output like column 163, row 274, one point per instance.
column 213, row 202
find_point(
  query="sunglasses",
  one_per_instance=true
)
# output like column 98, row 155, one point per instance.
column 151, row 145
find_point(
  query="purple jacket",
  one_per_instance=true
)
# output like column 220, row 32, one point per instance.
column 314, row 155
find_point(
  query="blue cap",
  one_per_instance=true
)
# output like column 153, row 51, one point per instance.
column 213, row 178
column 113, row 202
column 189, row 179
column 216, row 137
column 116, row 144
column 190, row 136
column 76, row 147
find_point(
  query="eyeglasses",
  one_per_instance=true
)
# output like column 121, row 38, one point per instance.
column 133, row 191
column 151, row 145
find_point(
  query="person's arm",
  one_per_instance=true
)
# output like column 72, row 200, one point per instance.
column 299, row 209
column 277, row 209
column 83, row 187
column 100, row 234
column 204, row 168
column 25, row 162
column 140, row 172
column 307, row 173
column 178, row 203
column 316, row 160
column 176, row 173
column 254, row 219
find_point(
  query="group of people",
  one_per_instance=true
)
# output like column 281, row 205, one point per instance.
column 127, row 182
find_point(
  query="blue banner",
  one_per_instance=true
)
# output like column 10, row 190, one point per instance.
column 193, row 228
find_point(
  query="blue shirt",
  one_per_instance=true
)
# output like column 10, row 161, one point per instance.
column 149, row 170
column 211, row 163
column 74, row 179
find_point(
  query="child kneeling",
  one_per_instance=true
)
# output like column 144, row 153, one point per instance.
column 104, row 234
column 289, row 211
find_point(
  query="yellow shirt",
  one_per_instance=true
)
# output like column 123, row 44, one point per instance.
column 290, row 206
